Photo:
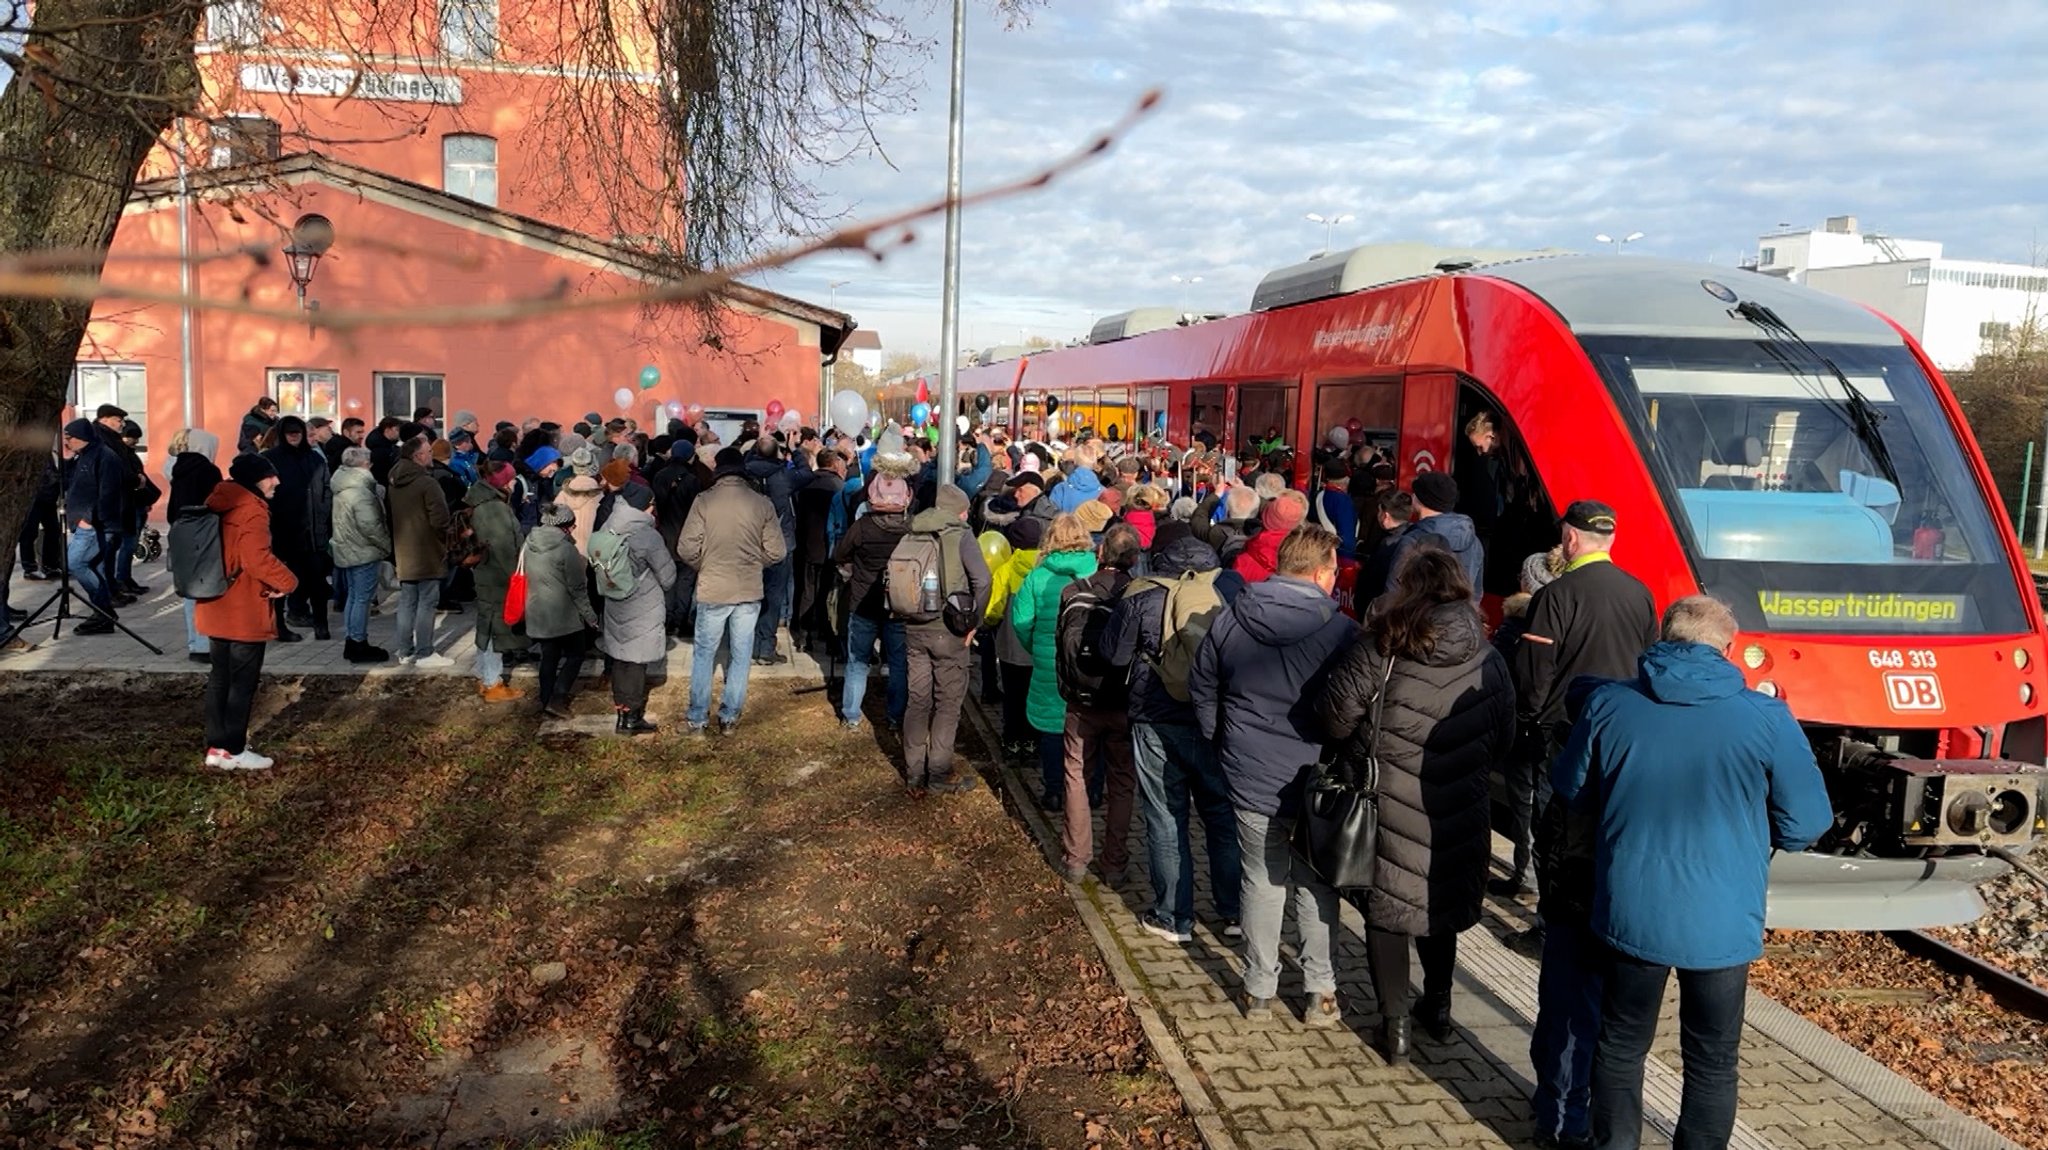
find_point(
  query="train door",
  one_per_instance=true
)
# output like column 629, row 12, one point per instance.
column 1499, row 488
column 1369, row 411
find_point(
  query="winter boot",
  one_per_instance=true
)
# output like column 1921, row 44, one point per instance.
column 284, row 634
column 634, row 722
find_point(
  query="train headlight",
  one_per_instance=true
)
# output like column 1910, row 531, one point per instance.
column 2020, row 658
column 1754, row 656
column 2027, row 694
column 1767, row 688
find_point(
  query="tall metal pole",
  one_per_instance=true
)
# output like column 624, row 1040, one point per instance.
column 190, row 416
column 2041, row 512
column 2019, row 530
column 949, row 308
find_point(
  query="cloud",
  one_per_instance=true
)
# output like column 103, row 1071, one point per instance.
column 1510, row 123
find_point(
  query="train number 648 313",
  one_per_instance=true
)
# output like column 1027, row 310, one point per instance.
column 1894, row 659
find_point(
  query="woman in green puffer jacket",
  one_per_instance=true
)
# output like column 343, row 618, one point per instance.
column 1067, row 554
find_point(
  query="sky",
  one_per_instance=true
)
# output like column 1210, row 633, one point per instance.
column 1503, row 123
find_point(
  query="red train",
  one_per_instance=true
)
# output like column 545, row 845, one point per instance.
column 1793, row 453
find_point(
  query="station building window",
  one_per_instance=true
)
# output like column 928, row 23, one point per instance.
column 125, row 385
column 399, row 394
column 469, row 168
column 235, row 23
column 306, row 392
column 238, row 140
column 469, row 29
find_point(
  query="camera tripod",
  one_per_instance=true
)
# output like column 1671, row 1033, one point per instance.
column 65, row 595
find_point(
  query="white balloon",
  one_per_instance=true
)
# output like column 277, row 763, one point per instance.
column 849, row 411
column 1340, row 437
column 966, row 425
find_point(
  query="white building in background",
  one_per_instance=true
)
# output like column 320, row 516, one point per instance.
column 1957, row 309
column 865, row 351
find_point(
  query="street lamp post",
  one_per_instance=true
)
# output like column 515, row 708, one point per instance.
column 311, row 236
column 949, row 308
column 1185, row 282
column 1328, row 221
column 1617, row 244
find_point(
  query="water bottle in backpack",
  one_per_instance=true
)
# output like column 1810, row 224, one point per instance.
column 928, row 592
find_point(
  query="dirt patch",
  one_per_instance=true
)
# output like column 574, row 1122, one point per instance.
column 433, row 924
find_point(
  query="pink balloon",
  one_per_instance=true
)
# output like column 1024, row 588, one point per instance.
column 696, row 409
column 674, row 409
column 774, row 410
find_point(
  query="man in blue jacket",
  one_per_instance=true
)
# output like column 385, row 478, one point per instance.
column 1254, row 683
column 1438, row 523
column 1692, row 780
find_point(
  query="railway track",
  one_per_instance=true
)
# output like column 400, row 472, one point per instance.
column 2019, row 995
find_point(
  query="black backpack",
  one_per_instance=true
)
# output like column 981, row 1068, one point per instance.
column 1084, row 673
column 199, row 566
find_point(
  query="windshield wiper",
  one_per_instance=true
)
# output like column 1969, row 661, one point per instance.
column 1862, row 417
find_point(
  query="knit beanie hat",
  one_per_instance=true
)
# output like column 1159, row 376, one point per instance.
column 464, row 419
column 1537, row 572
column 249, row 469
column 637, row 496
column 441, row 451
column 1436, row 491
column 81, row 430
column 951, row 501
column 541, row 457
column 1025, row 532
column 616, row 474
column 583, row 462
column 1094, row 515
column 1284, row 513
column 682, row 451
column 498, row 475
column 556, row 515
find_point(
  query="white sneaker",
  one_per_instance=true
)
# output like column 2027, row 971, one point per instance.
column 215, row 757
column 405, row 660
column 246, row 761
column 433, row 662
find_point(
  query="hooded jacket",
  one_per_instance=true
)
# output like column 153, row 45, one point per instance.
column 1255, row 681
column 1035, row 613
column 192, row 474
column 1447, row 718
column 1144, row 522
column 1136, row 631
column 497, row 528
column 581, row 494
column 1455, row 534
column 774, row 479
column 557, row 586
column 242, row 614
column 255, row 425
column 864, row 554
column 814, row 516
column 1694, row 780
column 302, row 507
column 419, row 523
column 360, row 533
column 1260, row 557
column 731, row 536
column 636, row 627
column 1003, row 584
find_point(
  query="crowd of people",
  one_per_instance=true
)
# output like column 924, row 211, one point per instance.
column 1157, row 655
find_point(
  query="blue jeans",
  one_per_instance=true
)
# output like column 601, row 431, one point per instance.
column 774, row 602
column 359, row 590
column 861, row 633
column 82, row 556
column 1567, row 1031
column 1709, row 1041
column 733, row 625
column 195, row 643
column 1274, row 876
column 417, row 599
column 121, row 557
column 1174, row 760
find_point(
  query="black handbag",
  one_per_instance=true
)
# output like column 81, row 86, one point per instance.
column 1338, row 834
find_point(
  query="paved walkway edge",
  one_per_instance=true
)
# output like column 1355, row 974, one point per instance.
column 1194, row 1090
column 1877, row 1083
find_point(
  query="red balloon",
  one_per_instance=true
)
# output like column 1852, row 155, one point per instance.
column 924, row 392
column 774, row 410
column 1354, row 425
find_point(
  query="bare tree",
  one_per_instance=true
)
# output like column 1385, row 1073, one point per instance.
column 749, row 99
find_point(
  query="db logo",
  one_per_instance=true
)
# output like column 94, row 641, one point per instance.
column 1424, row 460
column 1912, row 692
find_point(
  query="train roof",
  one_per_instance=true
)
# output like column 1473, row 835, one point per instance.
column 1639, row 295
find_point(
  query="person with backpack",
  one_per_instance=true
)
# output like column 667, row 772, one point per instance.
column 1098, row 706
column 361, row 544
column 420, row 526
column 1154, row 632
column 948, row 583
column 193, row 476
column 241, row 621
column 1013, row 658
column 633, row 574
column 1426, row 699
column 559, row 616
column 497, row 534
column 1255, row 676
column 731, row 537
column 863, row 554
column 1068, row 554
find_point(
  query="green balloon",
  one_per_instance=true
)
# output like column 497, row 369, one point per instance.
column 650, row 377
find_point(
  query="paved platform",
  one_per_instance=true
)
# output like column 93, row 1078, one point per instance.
column 1274, row 1084
column 1281, row 1085
column 160, row 619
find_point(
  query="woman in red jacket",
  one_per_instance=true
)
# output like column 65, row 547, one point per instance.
column 243, row 619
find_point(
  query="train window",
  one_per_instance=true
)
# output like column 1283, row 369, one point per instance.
column 1205, row 413
column 1499, row 489
column 1265, row 416
column 1816, row 492
column 1374, row 406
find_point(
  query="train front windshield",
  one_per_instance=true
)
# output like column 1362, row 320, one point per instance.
column 1813, row 502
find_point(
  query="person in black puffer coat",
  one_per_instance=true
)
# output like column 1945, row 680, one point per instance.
column 301, row 526
column 1448, row 716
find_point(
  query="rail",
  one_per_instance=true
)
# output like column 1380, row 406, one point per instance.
column 2017, row 994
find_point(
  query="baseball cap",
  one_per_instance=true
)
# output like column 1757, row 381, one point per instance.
column 1590, row 515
